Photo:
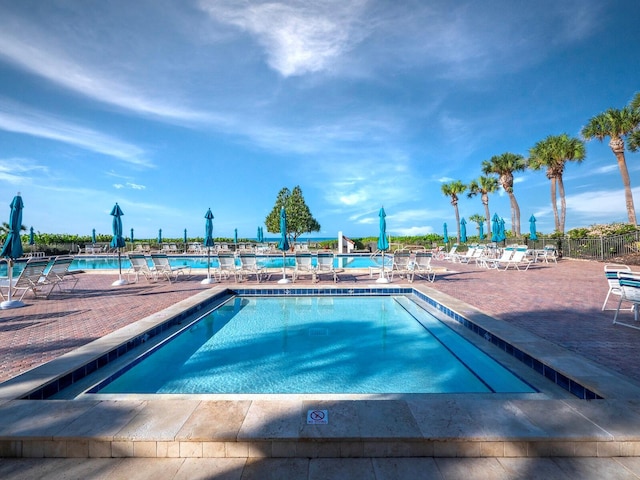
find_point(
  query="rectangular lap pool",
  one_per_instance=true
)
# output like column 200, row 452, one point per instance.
column 315, row 344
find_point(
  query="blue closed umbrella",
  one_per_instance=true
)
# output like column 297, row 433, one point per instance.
column 463, row 230
column 532, row 228
column 93, row 236
column 383, row 243
column 481, row 230
column 502, row 235
column 235, row 235
column 132, row 235
column 208, row 242
column 117, row 241
column 495, row 228
column 32, row 238
column 283, row 244
column 445, row 236
column 160, row 236
column 12, row 247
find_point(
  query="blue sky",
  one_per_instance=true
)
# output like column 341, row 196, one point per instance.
column 172, row 107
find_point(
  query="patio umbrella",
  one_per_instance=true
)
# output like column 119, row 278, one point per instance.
column 463, row 230
column 445, row 236
column 208, row 242
column 12, row 247
column 93, row 236
column 495, row 228
column 383, row 243
column 259, row 236
column 283, row 245
column 501, row 234
column 532, row 228
column 117, row 241
column 132, row 239
column 160, row 236
column 32, row 238
column 481, row 230
column 185, row 240
column 235, row 235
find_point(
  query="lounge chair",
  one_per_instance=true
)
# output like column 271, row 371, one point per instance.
column 504, row 259
column 325, row 266
column 29, row 279
column 163, row 267
column 611, row 274
column 471, row 254
column 139, row 266
column 402, row 265
column 549, row 254
column 629, row 292
column 303, row 266
column 227, row 266
column 59, row 274
column 450, row 255
column 249, row 266
column 422, row 266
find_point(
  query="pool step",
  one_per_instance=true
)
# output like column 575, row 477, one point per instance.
column 438, row 426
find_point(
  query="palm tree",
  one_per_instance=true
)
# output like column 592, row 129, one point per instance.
column 553, row 152
column 634, row 138
column 504, row 165
column 477, row 218
column 483, row 186
column 453, row 189
column 616, row 124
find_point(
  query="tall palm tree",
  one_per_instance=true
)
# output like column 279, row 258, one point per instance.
column 634, row 138
column 553, row 152
column 483, row 186
column 452, row 190
column 477, row 218
column 616, row 124
column 504, row 165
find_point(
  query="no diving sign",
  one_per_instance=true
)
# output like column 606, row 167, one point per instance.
column 317, row 417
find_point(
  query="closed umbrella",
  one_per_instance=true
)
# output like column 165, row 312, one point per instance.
column 502, row 235
column 463, row 230
column 235, row 236
column 259, row 235
column 12, row 247
column 481, row 230
column 495, row 228
column 208, row 242
column 283, row 245
column 445, row 236
column 93, row 236
column 32, row 238
column 185, row 240
column 383, row 243
column 117, row 241
column 532, row 228
column 160, row 236
column 132, row 239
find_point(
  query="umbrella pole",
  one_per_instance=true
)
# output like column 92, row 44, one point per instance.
column 382, row 278
column 120, row 280
column 208, row 280
column 284, row 278
column 10, row 303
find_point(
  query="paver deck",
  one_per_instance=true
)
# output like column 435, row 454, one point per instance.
column 560, row 303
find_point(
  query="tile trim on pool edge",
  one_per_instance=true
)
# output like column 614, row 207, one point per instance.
column 568, row 384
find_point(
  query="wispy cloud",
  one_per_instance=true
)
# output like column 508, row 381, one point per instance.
column 19, row 171
column 132, row 186
column 20, row 119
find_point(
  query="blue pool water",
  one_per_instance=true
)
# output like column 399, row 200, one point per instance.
column 111, row 262
column 312, row 344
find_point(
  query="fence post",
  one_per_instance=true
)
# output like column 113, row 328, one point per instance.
column 601, row 247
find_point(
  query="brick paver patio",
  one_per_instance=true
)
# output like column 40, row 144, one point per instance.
column 560, row 303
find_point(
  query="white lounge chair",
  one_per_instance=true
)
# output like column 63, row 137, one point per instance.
column 139, row 266
column 29, row 279
column 325, row 266
column 227, row 266
column 163, row 267
column 58, row 274
column 611, row 274
column 629, row 292
column 303, row 266
column 507, row 253
column 249, row 266
column 402, row 266
column 422, row 266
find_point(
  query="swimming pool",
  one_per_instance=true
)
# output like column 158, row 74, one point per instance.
column 317, row 345
column 109, row 262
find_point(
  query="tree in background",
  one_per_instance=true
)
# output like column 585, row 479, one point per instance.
column 452, row 190
column 633, row 141
column 483, row 186
column 477, row 219
column 299, row 218
column 504, row 165
column 616, row 124
column 553, row 152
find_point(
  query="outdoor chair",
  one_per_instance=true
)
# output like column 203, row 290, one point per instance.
column 249, row 266
column 471, row 254
column 303, row 266
column 504, row 259
column 611, row 274
column 139, row 266
column 422, row 266
column 549, row 254
column 629, row 292
column 58, row 274
column 29, row 279
column 227, row 266
column 163, row 267
column 402, row 265
column 325, row 266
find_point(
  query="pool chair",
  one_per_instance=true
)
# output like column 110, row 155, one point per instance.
column 422, row 266
column 29, row 279
column 139, row 266
column 629, row 292
column 249, row 266
column 402, row 266
column 325, row 266
column 58, row 275
column 503, row 260
column 450, row 255
column 303, row 266
column 163, row 267
column 227, row 267
column 611, row 274
column 549, row 254
column 471, row 254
